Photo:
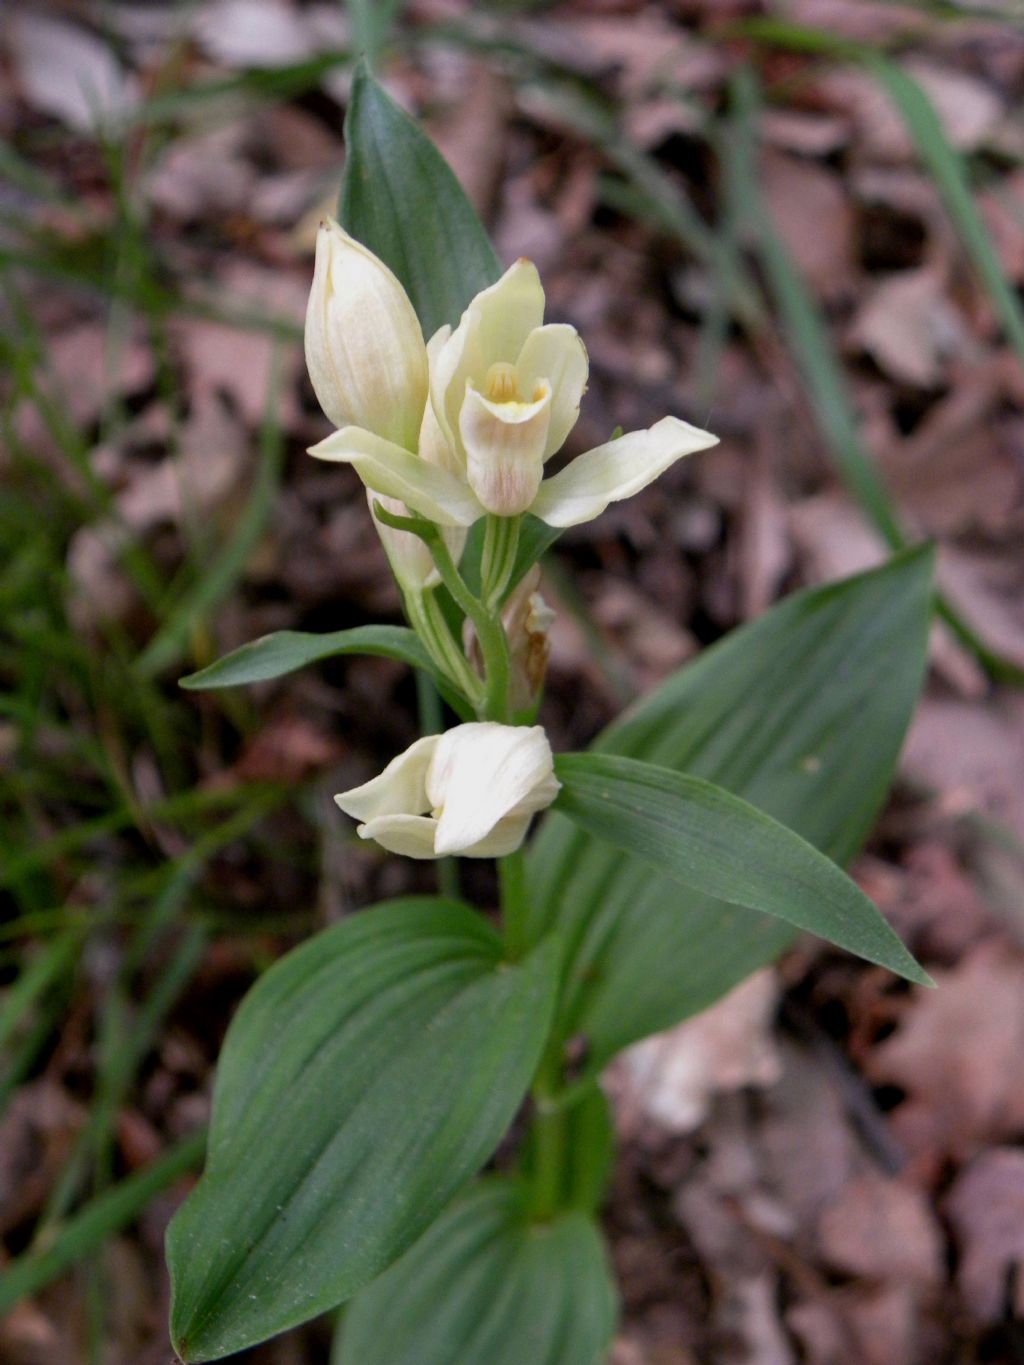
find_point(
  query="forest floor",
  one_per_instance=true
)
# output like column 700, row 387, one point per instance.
column 827, row 1167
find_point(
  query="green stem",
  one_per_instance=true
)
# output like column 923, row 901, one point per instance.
column 427, row 619
column 489, row 630
column 549, row 1133
column 514, row 906
column 501, row 541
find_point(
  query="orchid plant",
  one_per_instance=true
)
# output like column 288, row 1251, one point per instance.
column 372, row 1074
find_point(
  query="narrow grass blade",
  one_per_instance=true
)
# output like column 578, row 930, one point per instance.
column 81, row 1235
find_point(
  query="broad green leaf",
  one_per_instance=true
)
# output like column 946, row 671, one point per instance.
column 400, row 198
column 802, row 712
column 284, row 651
column 365, row 1078
column 486, row 1284
column 723, row 846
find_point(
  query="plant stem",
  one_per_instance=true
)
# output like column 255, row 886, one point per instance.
column 501, row 541
column 428, row 621
column 549, row 1133
column 514, row 907
column 489, row 630
column 549, row 1124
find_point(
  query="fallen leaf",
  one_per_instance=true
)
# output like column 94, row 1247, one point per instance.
column 972, row 756
column 959, row 1056
column 908, row 325
column 813, row 214
column 883, row 1230
column 253, row 33
column 69, row 72
column 986, row 1209
column 673, row 1077
column 968, row 109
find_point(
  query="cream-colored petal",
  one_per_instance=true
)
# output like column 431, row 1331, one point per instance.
column 493, row 328
column 506, row 836
column 481, row 773
column 504, row 445
column 616, row 470
column 401, row 789
column 410, row 836
column 434, row 445
column 508, row 312
column 556, row 353
column 364, row 347
column 387, row 468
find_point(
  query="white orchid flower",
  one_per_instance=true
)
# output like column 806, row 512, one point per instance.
column 471, row 791
column 505, row 389
column 364, row 346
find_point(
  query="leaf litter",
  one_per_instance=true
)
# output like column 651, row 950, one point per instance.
column 825, row 1167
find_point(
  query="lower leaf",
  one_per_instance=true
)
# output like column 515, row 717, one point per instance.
column 485, row 1284
column 365, row 1078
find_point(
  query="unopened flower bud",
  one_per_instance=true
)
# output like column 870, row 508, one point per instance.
column 471, row 791
column 364, row 346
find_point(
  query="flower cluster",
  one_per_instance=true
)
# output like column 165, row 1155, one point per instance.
column 464, row 425
column 451, row 430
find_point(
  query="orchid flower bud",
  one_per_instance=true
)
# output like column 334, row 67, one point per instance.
column 364, row 347
column 471, row 791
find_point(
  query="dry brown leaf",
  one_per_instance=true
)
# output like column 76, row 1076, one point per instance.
column 1003, row 208
column 472, row 137
column 204, row 176
column 222, row 359
column 956, row 472
column 209, row 471
column 82, row 374
column 986, row 1208
column 854, row 19
column 253, row 33
column 806, row 134
column 972, row 757
column 68, row 71
column 988, row 590
column 878, row 1326
column 885, row 1230
column 959, row 1055
column 811, row 209
column 671, row 1079
column 911, row 329
column 967, row 107
column 807, row 1149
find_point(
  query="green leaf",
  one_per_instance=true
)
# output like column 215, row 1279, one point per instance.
column 716, row 843
column 400, row 198
column 364, row 1079
column 484, row 1284
column 948, row 171
column 287, row 650
column 802, row 713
